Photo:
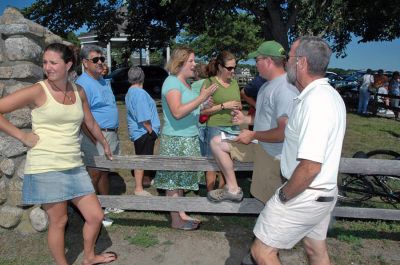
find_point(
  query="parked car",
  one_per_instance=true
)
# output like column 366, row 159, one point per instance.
column 351, row 82
column 333, row 78
column 153, row 81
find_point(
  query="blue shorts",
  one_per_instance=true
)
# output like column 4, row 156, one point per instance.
column 215, row 131
column 56, row 186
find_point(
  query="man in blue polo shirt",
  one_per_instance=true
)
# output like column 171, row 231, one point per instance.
column 104, row 109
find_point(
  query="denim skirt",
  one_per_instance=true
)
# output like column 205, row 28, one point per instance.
column 56, row 186
column 215, row 131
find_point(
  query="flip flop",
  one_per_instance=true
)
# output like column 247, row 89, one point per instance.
column 188, row 225
column 107, row 258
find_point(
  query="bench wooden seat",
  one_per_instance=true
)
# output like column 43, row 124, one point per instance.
column 248, row 205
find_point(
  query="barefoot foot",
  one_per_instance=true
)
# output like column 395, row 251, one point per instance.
column 106, row 257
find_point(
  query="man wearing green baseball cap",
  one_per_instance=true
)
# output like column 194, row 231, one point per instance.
column 274, row 102
column 269, row 48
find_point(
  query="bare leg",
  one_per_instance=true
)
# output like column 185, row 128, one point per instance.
column 264, row 254
column 138, row 173
column 221, row 154
column 178, row 218
column 317, row 251
column 58, row 218
column 104, row 183
column 221, row 180
column 95, row 177
column 211, row 176
column 91, row 210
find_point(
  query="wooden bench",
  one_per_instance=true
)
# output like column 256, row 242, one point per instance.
column 248, row 205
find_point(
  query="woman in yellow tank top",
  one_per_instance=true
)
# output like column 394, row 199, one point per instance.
column 54, row 171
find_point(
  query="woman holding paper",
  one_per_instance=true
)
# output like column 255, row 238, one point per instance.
column 226, row 98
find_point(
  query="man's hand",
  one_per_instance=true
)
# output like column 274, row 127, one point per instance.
column 245, row 136
column 238, row 118
column 107, row 152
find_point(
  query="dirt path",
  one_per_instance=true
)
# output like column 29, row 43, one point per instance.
column 222, row 240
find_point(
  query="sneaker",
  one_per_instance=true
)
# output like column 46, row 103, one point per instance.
column 220, row 195
column 113, row 210
column 107, row 222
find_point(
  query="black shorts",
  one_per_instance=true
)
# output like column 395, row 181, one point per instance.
column 145, row 144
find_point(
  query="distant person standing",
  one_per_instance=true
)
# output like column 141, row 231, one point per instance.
column 143, row 122
column 394, row 89
column 363, row 97
column 380, row 79
column 104, row 109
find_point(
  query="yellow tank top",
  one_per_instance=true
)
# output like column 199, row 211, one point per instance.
column 57, row 126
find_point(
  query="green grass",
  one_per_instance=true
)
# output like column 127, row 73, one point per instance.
column 145, row 237
column 370, row 133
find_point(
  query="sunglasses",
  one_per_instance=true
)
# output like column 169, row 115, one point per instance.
column 229, row 68
column 97, row 59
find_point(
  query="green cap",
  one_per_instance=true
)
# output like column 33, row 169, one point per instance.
column 269, row 48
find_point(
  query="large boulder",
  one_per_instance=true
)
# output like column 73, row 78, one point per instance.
column 14, row 192
column 21, row 48
column 12, row 22
column 10, row 147
column 10, row 216
column 39, row 219
column 7, row 166
column 21, row 118
column 14, row 86
column 2, row 87
column 19, row 172
column 3, row 191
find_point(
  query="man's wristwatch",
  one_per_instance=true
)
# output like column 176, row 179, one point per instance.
column 282, row 196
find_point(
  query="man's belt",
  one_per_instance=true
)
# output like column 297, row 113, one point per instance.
column 109, row 129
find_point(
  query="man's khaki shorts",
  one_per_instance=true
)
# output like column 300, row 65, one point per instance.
column 90, row 149
column 266, row 172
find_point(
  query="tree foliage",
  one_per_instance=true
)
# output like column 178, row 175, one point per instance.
column 64, row 16
column 156, row 23
column 243, row 36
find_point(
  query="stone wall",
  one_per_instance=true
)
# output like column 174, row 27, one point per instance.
column 21, row 47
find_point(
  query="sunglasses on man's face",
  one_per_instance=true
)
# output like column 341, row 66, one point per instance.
column 229, row 68
column 97, row 59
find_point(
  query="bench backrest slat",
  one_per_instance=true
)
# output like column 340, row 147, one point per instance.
column 156, row 162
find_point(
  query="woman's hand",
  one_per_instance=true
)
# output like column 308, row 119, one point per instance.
column 233, row 105
column 30, row 139
column 208, row 103
column 207, row 92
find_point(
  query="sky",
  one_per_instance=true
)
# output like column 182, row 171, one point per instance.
column 375, row 55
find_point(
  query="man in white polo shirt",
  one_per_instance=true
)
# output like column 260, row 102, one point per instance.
column 301, row 208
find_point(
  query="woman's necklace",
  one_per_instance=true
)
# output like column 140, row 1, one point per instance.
column 63, row 91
